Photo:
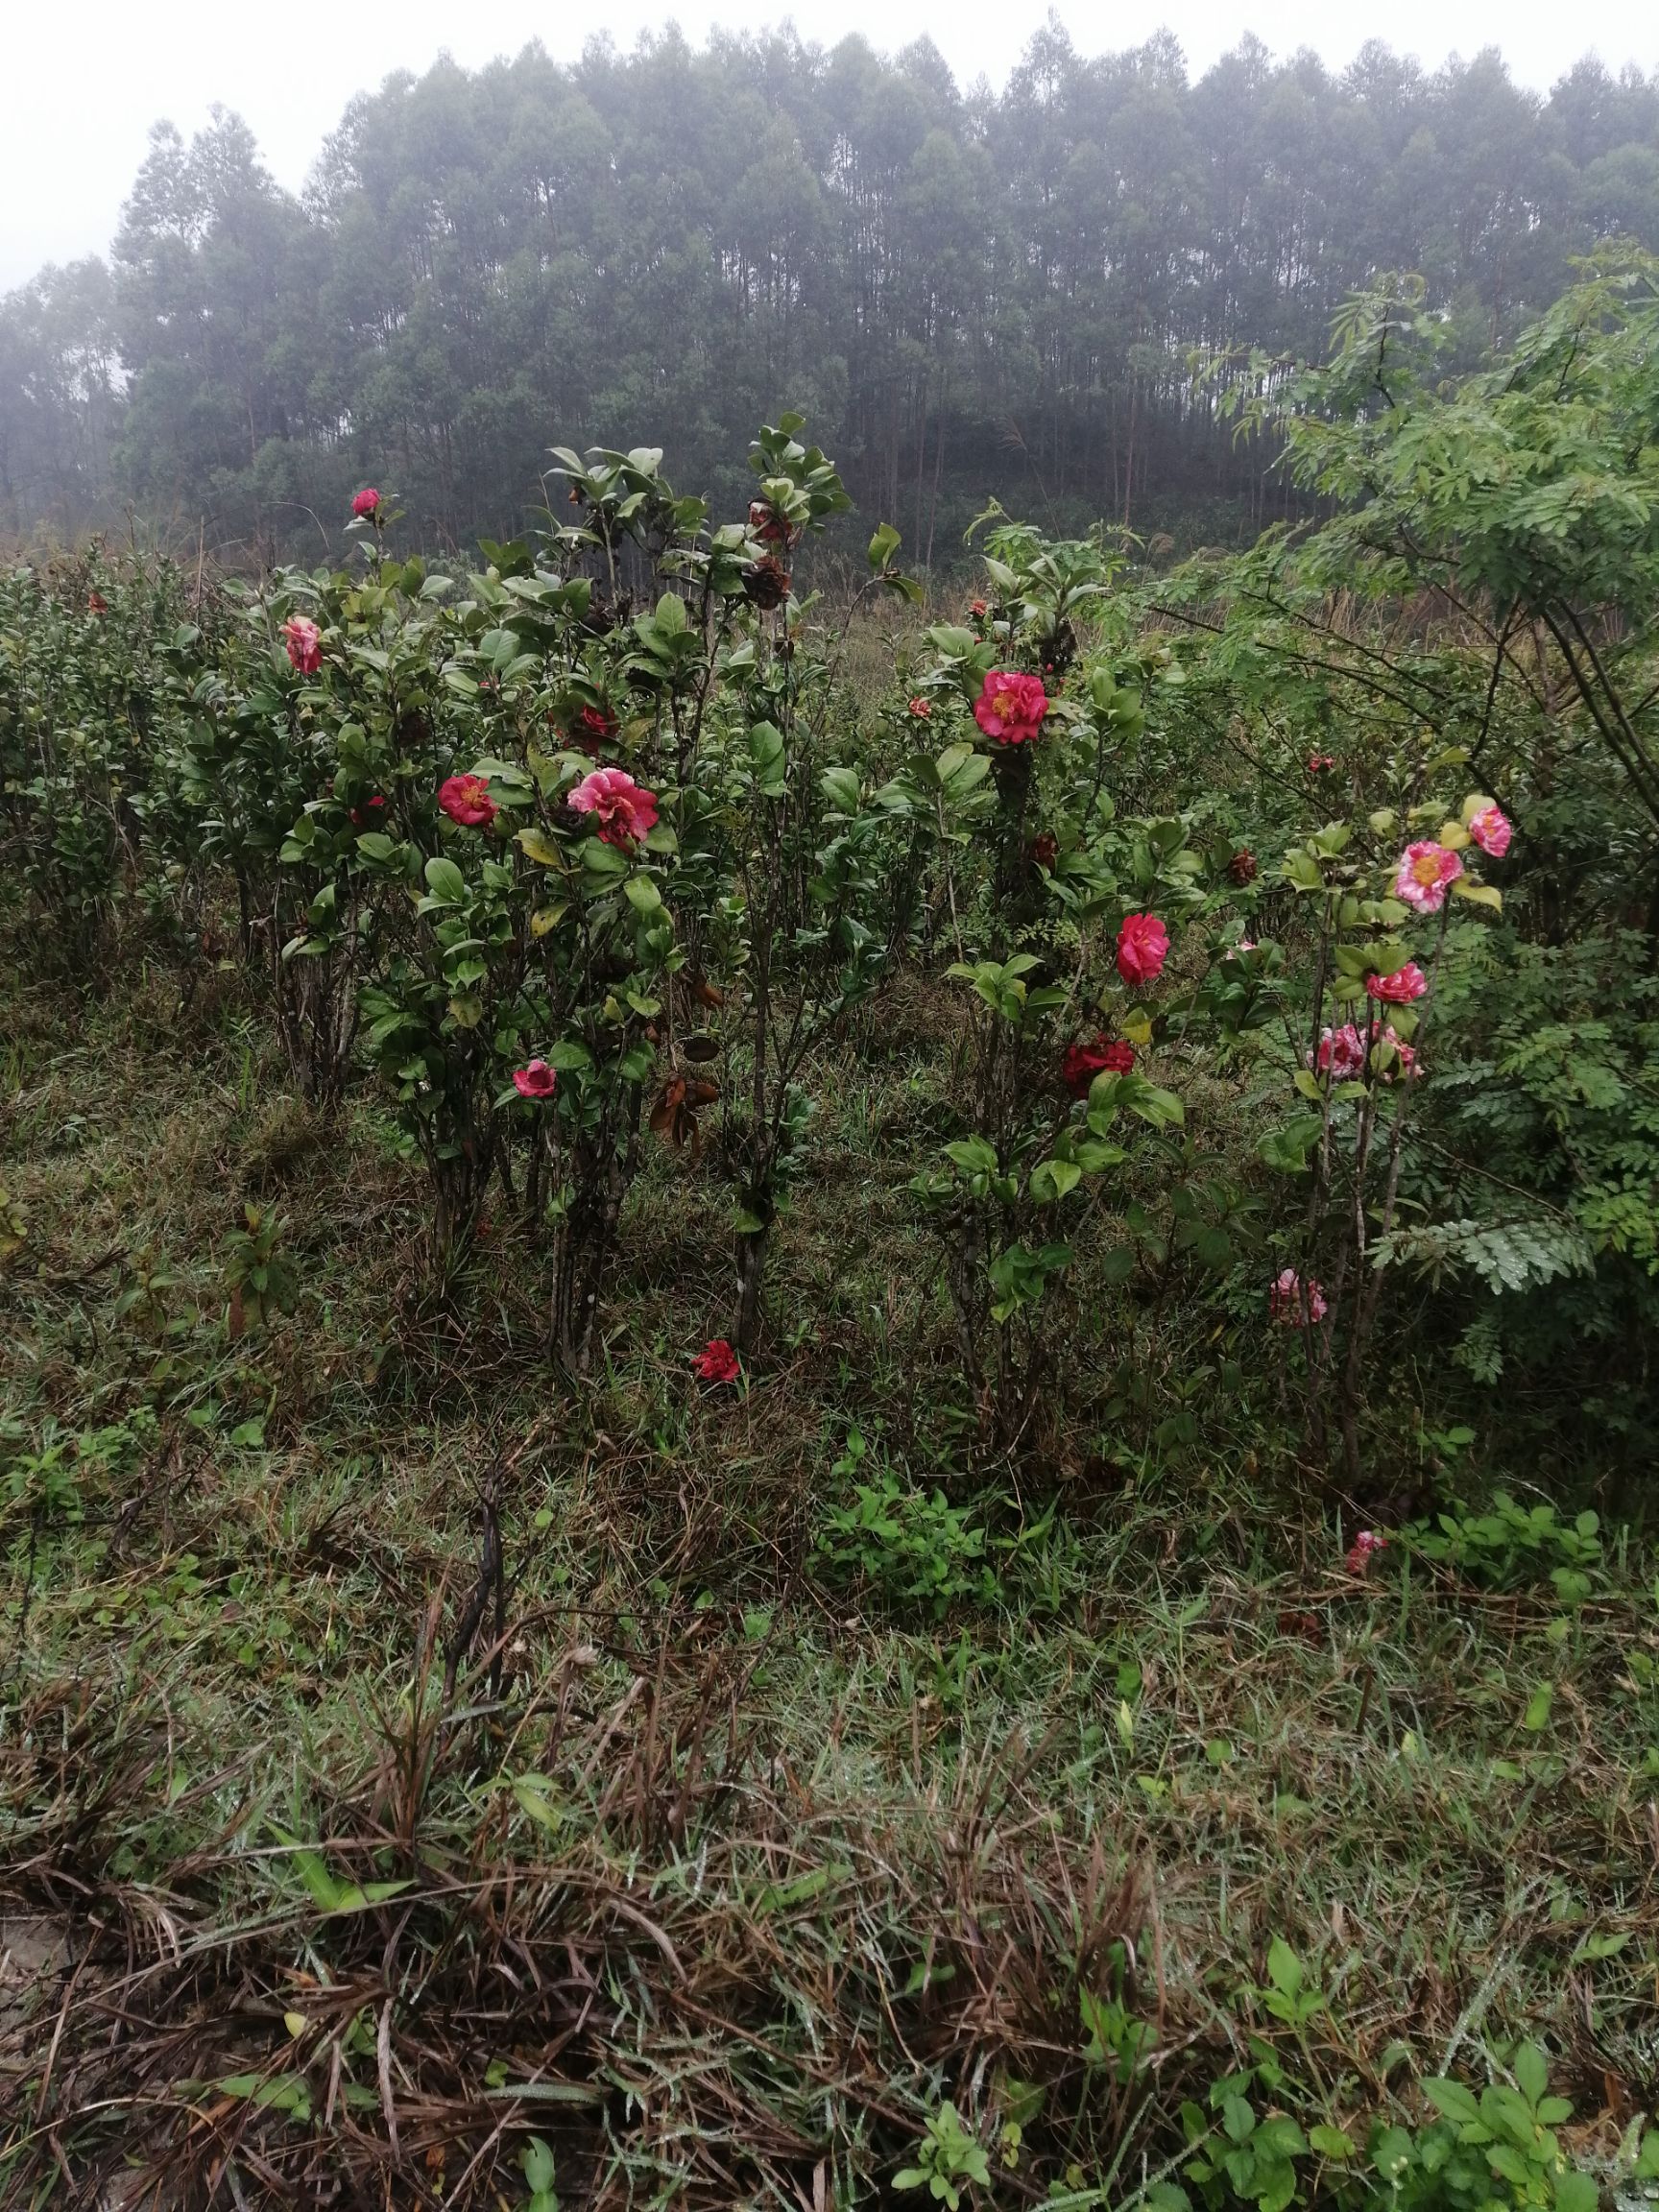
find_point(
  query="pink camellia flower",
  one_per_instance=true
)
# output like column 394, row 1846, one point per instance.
column 1341, row 1054
column 1426, row 869
column 365, row 503
column 1490, row 827
column 1399, row 989
column 535, row 1080
column 1320, row 763
column 1142, row 948
column 1284, row 1299
column 1363, row 1549
column 1401, row 1058
column 304, row 642
column 466, row 800
column 1084, row 1062
column 624, row 810
column 1011, row 706
column 717, row 1362
column 920, row 709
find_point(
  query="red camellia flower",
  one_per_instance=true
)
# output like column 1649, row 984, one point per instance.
column 595, row 726
column 1045, row 849
column 623, row 812
column 367, row 502
column 1319, row 762
column 304, row 642
column 717, row 1362
column 1391, row 1056
column 922, row 708
column 1489, row 827
column 1103, row 1057
column 466, row 800
column 1341, row 1053
column 537, row 1080
column 1399, row 989
column 1242, row 867
column 96, row 603
column 770, row 528
column 766, row 583
column 1142, row 948
column 1363, row 1549
column 1284, row 1299
column 978, row 610
column 1011, row 706
column 366, row 816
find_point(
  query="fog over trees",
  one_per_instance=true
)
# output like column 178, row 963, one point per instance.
column 966, row 292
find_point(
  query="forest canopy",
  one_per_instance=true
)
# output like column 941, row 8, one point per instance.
column 970, row 294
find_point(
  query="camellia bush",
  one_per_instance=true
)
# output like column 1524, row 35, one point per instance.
column 82, row 689
column 594, row 852
column 1061, row 941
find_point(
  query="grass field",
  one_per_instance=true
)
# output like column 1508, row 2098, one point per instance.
column 409, row 1769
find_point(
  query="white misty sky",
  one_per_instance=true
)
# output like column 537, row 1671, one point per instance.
column 84, row 81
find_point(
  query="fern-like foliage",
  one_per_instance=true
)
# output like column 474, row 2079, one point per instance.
column 1518, row 1254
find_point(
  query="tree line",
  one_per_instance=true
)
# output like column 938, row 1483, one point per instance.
column 971, row 294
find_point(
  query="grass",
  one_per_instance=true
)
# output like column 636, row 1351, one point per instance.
column 716, row 1874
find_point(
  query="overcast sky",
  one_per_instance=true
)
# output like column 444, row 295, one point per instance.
column 83, row 80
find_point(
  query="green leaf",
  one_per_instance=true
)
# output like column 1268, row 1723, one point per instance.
column 1052, row 1179
column 445, row 881
column 1532, row 2072
column 1592, row 1947
column 530, row 1794
column 883, row 546
column 1237, row 2119
column 840, row 786
column 766, row 758
column 1283, row 1968
column 1575, row 2192
column 1286, row 1148
column 973, row 1155
column 1452, row 2099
